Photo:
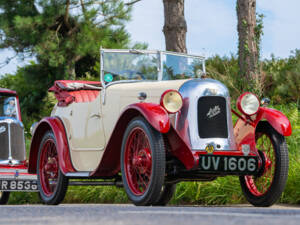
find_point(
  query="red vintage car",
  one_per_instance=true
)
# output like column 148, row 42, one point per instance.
column 154, row 120
column 13, row 164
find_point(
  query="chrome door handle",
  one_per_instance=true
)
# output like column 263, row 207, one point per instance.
column 95, row 115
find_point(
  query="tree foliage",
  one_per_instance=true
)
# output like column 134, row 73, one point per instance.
column 63, row 33
column 64, row 37
column 282, row 83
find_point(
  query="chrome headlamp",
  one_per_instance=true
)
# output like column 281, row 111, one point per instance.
column 248, row 104
column 171, row 100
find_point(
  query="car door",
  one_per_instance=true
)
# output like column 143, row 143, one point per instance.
column 85, row 134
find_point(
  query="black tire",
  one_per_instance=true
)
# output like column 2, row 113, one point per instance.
column 166, row 194
column 279, row 171
column 4, row 197
column 147, row 191
column 57, row 195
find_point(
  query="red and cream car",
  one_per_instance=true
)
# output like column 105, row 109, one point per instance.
column 154, row 120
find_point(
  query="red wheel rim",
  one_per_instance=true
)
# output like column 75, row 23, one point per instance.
column 138, row 161
column 258, row 186
column 48, row 168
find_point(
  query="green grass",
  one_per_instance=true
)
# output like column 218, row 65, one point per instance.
column 224, row 190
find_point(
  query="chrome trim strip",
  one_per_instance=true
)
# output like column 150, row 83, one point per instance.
column 88, row 149
column 150, row 52
column 9, row 141
column 17, row 111
column 127, row 81
column 12, row 170
column 161, row 69
column 10, row 161
column 78, row 174
column 20, row 177
column 102, row 77
column 203, row 66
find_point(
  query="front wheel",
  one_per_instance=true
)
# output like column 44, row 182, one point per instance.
column 142, row 162
column 52, row 183
column 4, row 197
column 266, row 187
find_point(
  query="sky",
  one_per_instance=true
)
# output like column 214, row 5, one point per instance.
column 212, row 28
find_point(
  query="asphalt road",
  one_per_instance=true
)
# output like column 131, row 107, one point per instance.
column 128, row 214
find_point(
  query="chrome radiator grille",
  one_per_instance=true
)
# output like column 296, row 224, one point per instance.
column 12, row 137
column 4, row 147
column 212, row 117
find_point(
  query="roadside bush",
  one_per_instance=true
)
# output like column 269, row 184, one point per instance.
column 283, row 78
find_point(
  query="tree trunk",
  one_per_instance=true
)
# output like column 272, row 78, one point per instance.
column 248, row 43
column 175, row 27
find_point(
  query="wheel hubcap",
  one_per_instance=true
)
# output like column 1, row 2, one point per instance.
column 138, row 161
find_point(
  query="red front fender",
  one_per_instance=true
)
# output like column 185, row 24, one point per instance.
column 244, row 132
column 276, row 118
column 55, row 125
column 155, row 114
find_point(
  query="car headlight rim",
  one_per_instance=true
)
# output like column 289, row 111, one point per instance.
column 171, row 101
column 248, row 103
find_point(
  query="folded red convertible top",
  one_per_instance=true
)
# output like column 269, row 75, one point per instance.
column 69, row 91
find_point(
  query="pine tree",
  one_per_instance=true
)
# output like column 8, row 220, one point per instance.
column 64, row 37
column 65, row 34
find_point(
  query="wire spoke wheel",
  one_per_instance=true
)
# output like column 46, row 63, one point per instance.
column 52, row 183
column 265, row 188
column 259, row 185
column 138, row 161
column 48, row 167
column 142, row 162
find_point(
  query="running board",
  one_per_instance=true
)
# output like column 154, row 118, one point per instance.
column 96, row 183
column 78, row 175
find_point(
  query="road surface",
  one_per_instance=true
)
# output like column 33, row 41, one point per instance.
column 128, row 214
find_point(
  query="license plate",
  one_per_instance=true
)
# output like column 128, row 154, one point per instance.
column 228, row 164
column 18, row 185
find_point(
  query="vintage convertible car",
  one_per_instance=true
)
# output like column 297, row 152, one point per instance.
column 13, row 164
column 153, row 121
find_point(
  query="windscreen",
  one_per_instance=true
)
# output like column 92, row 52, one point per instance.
column 181, row 67
column 8, row 106
column 119, row 66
